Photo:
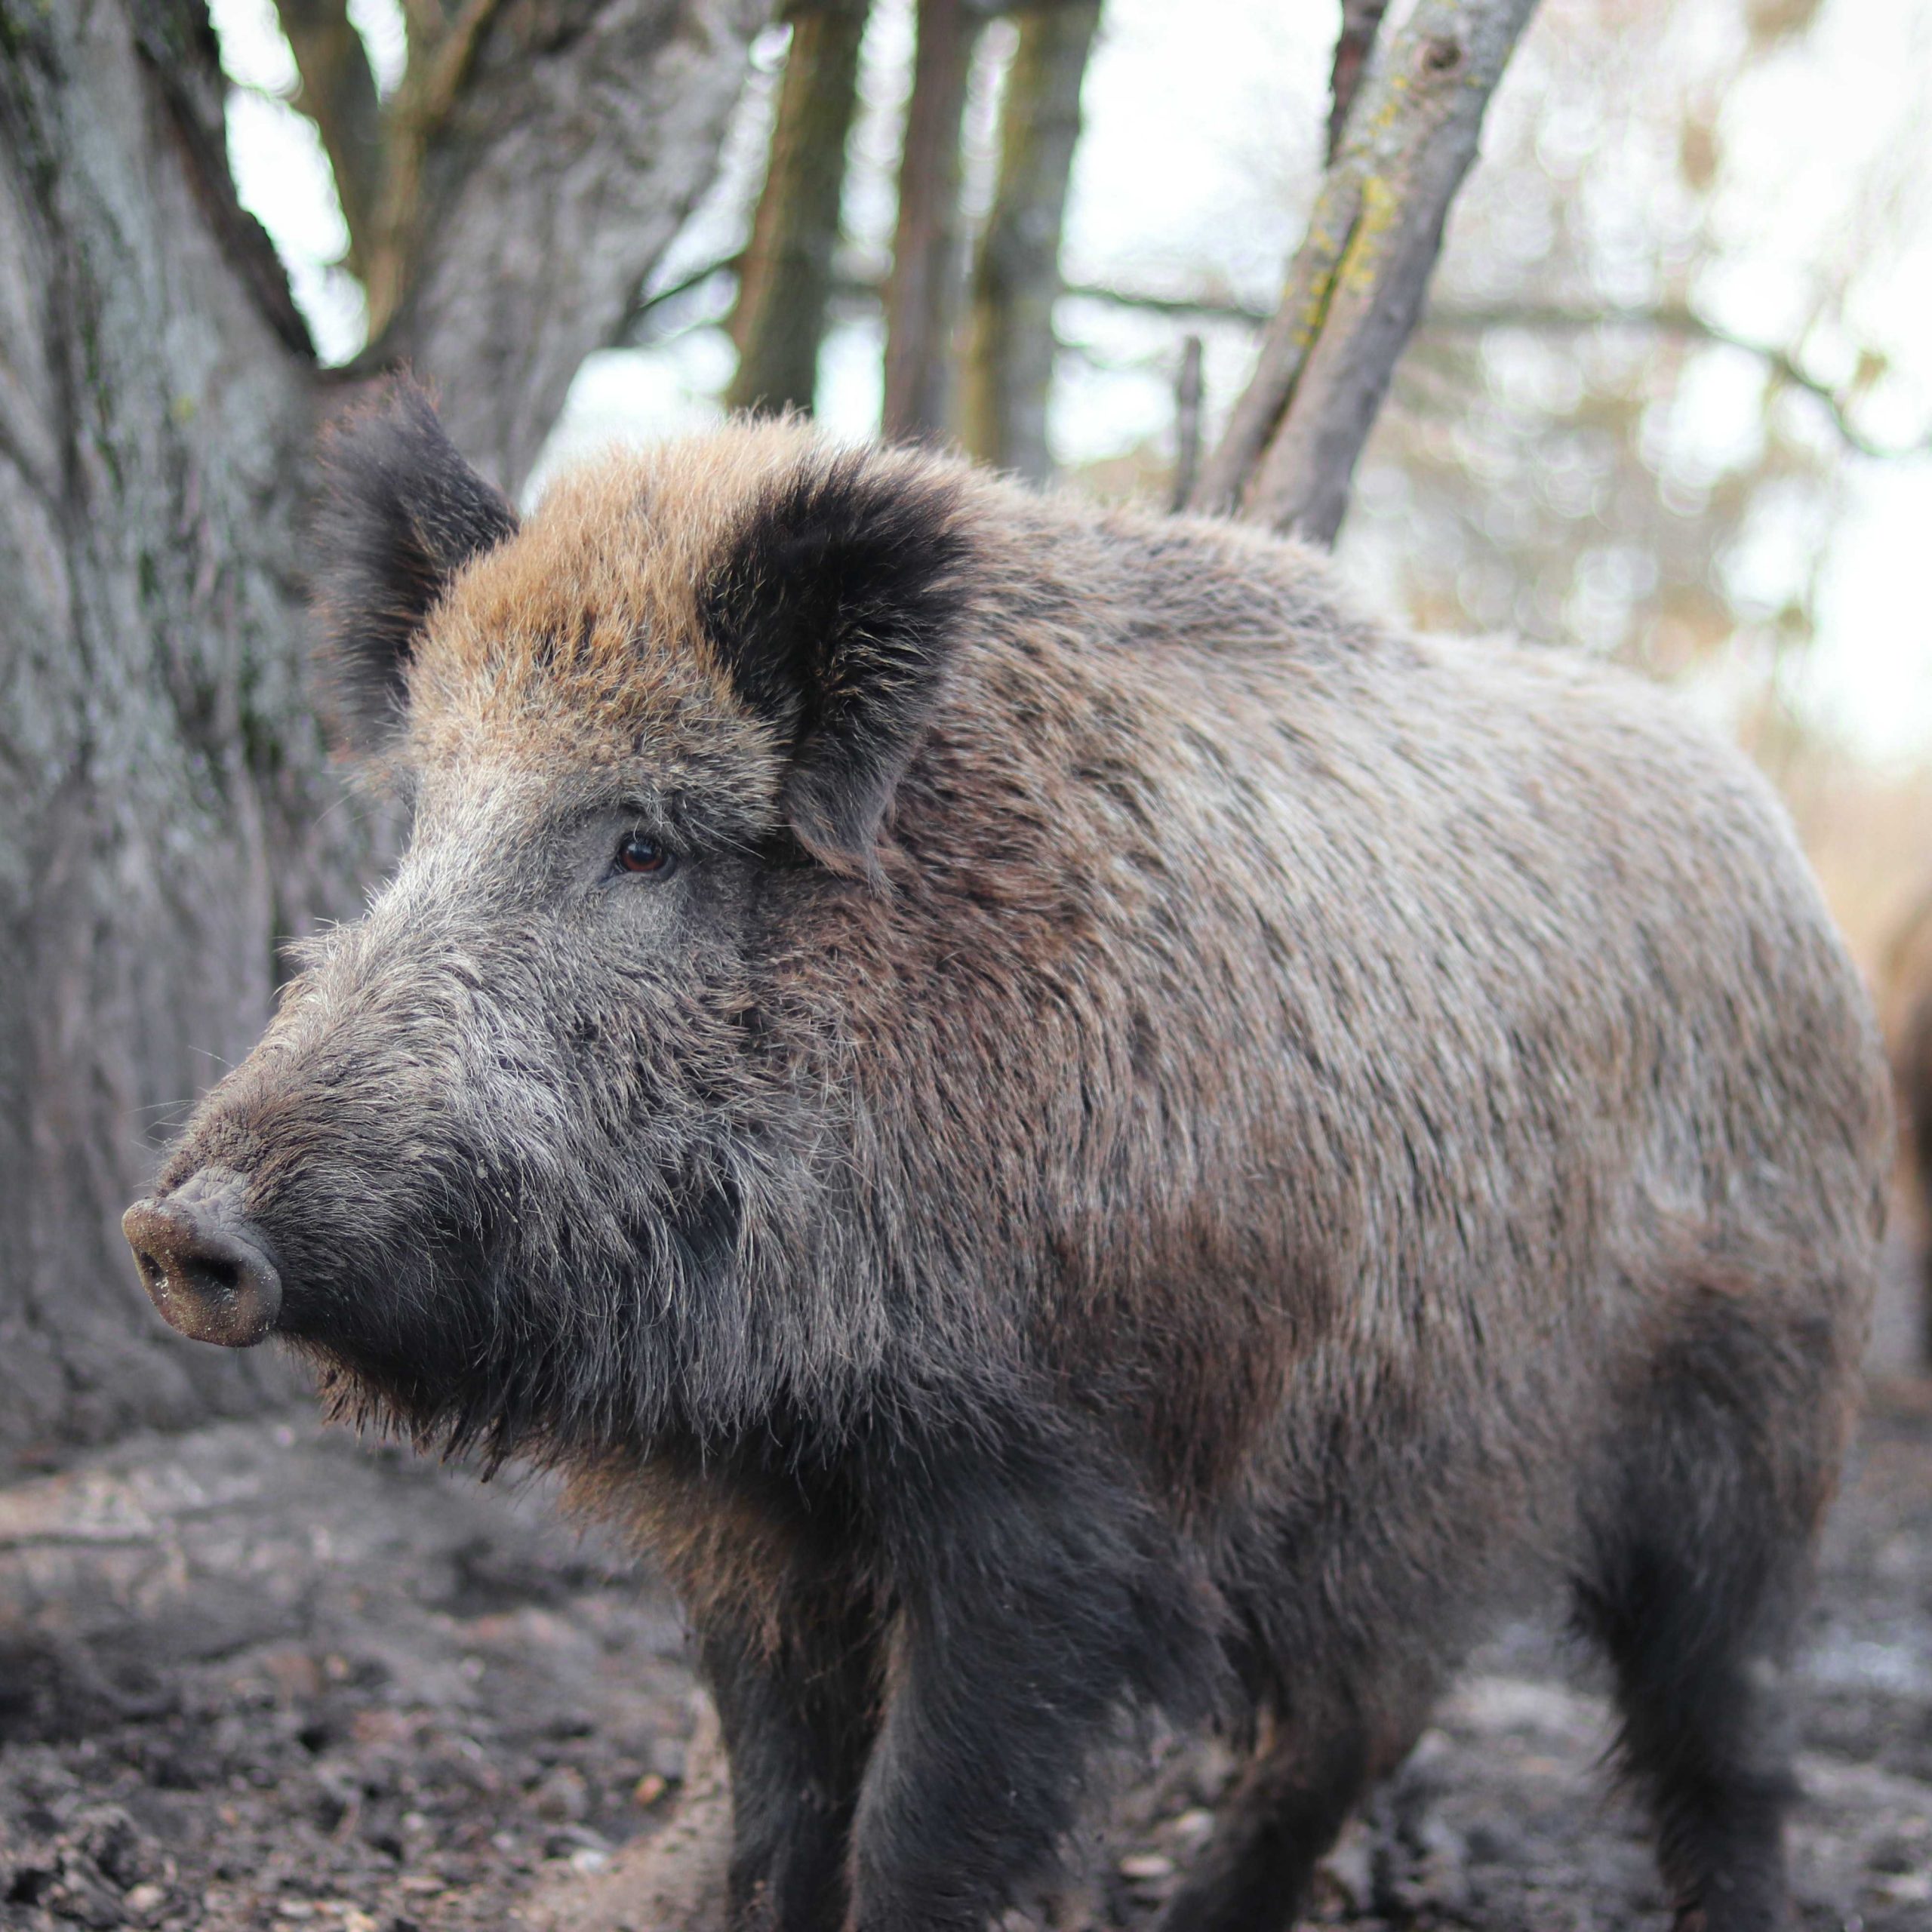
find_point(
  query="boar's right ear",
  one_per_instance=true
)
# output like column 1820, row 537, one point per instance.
column 403, row 513
column 834, row 608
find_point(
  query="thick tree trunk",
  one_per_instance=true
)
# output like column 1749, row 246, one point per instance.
column 922, row 294
column 159, row 771
column 785, row 278
column 167, row 814
column 1009, row 363
column 1356, row 285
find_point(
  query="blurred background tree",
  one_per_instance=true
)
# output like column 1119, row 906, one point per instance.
column 1671, row 340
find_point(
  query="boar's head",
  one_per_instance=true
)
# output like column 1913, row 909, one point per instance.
column 541, row 1149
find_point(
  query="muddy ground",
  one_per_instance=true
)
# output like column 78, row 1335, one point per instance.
column 266, row 1676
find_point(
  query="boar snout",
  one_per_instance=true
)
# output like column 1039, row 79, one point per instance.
column 204, row 1267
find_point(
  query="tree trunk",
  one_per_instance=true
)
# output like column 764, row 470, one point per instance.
column 1189, row 391
column 339, row 94
column 558, row 157
column 169, row 812
column 159, row 770
column 1356, row 285
column 1009, row 362
column 785, row 278
column 922, row 294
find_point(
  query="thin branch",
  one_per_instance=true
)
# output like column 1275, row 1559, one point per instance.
column 338, row 93
column 1439, row 318
column 632, row 333
column 1188, row 308
column 1676, row 319
column 1356, row 285
column 1187, row 393
column 1210, row 308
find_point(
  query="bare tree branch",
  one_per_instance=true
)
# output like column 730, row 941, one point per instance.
column 1442, row 317
column 1009, row 361
column 1361, row 20
column 1356, row 285
column 922, row 294
column 338, row 93
column 1439, row 318
column 638, row 329
column 1202, row 307
column 1677, row 319
column 784, row 274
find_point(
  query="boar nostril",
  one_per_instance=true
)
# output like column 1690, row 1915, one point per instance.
column 204, row 1267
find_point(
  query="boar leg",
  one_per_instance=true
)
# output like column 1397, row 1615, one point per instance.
column 1703, row 1735
column 1036, row 1601
column 1285, row 1812
column 797, row 1707
column 1697, row 1578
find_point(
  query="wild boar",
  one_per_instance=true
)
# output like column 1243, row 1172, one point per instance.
column 1063, row 1126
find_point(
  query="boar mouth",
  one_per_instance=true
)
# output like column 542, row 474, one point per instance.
column 205, row 1268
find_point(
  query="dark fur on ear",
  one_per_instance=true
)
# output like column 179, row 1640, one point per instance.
column 403, row 513
column 834, row 609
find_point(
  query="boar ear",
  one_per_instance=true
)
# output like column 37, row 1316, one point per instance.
column 403, row 513
column 835, row 609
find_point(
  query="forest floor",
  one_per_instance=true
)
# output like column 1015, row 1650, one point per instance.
column 264, row 1676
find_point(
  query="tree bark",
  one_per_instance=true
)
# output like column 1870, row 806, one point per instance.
column 785, row 277
column 923, row 292
column 1356, row 285
column 160, row 780
column 169, row 814
column 559, row 156
column 1009, row 361
column 1361, row 21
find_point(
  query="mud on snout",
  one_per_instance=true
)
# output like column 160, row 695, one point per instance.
column 206, row 1267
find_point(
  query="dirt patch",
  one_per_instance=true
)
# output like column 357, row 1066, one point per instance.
column 264, row 1676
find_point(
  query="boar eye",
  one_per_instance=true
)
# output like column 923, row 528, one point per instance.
column 640, row 854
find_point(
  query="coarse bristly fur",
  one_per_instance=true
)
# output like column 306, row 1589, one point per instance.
column 1129, row 1138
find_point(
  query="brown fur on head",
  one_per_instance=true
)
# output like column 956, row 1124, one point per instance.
column 768, row 589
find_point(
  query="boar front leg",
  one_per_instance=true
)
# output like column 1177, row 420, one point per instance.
column 1036, row 1599
column 797, row 1700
